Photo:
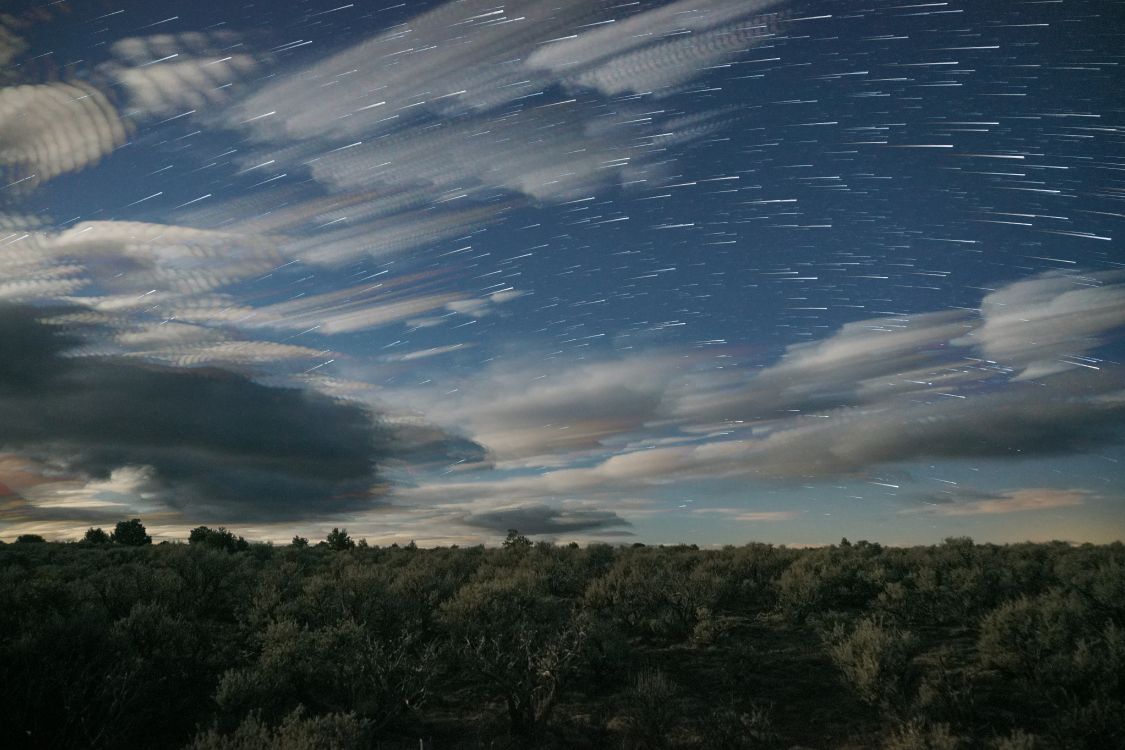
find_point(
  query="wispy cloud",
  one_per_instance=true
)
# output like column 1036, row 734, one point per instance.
column 1049, row 323
column 877, row 392
column 1008, row 501
column 170, row 74
column 50, row 129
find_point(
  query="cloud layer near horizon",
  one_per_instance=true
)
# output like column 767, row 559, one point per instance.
column 201, row 443
column 877, row 392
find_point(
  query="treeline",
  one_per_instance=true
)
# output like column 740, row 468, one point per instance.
column 222, row 643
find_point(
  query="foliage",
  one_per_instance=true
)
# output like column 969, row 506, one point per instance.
column 654, row 593
column 875, row 659
column 296, row 732
column 95, row 536
column 130, row 533
column 521, row 642
column 648, row 720
column 916, row 735
column 218, row 538
column 516, row 541
column 1063, row 662
column 30, row 539
column 231, row 646
column 334, row 669
column 339, row 540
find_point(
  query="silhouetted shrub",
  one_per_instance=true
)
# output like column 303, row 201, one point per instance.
column 339, row 540
column 95, row 536
column 30, row 539
column 218, row 538
column 130, row 533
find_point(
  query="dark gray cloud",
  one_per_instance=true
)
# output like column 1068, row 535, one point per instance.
column 220, row 446
column 544, row 519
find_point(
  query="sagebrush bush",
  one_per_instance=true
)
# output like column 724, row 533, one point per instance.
column 1017, row 740
column 1066, row 668
column 648, row 718
column 916, row 735
column 296, row 732
column 875, row 659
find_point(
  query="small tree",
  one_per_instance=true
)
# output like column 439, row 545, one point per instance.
column 218, row 538
column 30, row 539
column 300, row 541
column 96, row 536
column 338, row 539
column 131, row 533
column 516, row 541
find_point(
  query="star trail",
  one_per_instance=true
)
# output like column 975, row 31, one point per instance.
column 694, row 271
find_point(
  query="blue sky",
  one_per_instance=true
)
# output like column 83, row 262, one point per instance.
column 710, row 272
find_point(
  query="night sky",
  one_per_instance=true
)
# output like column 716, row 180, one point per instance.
column 702, row 271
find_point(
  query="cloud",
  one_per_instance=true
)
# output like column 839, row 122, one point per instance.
column 1070, row 414
column 169, row 74
column 51, row 129
column 388, row 236
column 467, row 98
column 525, row 409
column 664, row 65
column 864, row 362
column 425, row 353
column 878, row 392
column 11, row 45
column 1047, row 324
column 128, row 256
column 457, row 58
column 622, row 37
column 550, row 153
column 767, row 516
column 208, row 444
column 544, row 519
column 1008, row 501
column 346, row 310
column 1035, row 327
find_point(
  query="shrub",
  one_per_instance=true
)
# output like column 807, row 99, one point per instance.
column 920, row 736
column 333, row 669
column 727, row 727
column 649, row 719
column 876, row 661
column 653, row 593
column 296, row 732
column 1066, row 668
column 95, row 536
column 516, row 542
column 130, row 533
column 519, row 641
column 339, row 540
column 218, row 538
column 1017, row 740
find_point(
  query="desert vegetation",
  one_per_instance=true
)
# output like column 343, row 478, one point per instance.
column 114, row 642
